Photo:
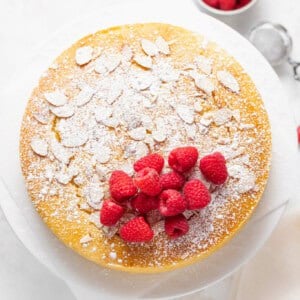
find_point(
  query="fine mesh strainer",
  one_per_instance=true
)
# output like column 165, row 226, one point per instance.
column 275, row 43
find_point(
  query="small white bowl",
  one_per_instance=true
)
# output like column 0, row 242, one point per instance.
column 226, row 12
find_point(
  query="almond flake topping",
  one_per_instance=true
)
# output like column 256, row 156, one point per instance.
column 159, row 135
column 94, row 195
column 84, row 55
column 56, row 98
column 104, row 155
column 247, row 126
column 143, row 61
column 94, row 219
column 149, row 47
column 112, row 61
column 197, row 107
column 245, row 176
column 85, row 95
column 162, row 46
column 205, row 84
column 60, row 152
column 86, row 239
column 102, row 113
column 42, row 115
column 39, row 146
column 228, row 81
column 204, row 64
column 75, row 139
column 141, row 81
column 65, row 175
column 185, row 113
column 99, row 65
column 64, row 111
column 125, row 104
column 222, row 116
column 127, row 53
column 138, row 134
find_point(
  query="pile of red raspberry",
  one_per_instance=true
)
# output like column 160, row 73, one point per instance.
column 227, row 4
column 170, row 193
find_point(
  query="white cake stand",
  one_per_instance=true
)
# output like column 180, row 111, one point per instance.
column 87, row 280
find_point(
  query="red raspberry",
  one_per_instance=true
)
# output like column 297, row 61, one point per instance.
column 227, row 4
column 171, row 203
column 121, row 186
column 242, row 3
column 110, row 213
column 213, row 168
column 212, row 3
column 147, row 180
column 143, row 203
column 154, row 161
column 136, row 230
column 176, row 226
column 171, row 180
column 183, row 159
column 196, row 194
column 298, row 133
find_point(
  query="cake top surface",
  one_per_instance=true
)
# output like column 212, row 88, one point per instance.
column 114, row 97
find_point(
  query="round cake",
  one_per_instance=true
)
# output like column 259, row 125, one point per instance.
column 125, row 93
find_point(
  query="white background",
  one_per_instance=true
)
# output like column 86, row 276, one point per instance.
column 275, row 271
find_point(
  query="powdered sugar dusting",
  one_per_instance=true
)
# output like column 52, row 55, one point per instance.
column 118, row 107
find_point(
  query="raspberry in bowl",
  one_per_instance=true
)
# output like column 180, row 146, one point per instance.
column 227, row 7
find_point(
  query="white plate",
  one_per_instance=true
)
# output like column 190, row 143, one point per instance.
column 86, row 279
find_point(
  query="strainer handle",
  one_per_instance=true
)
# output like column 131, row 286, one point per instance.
column 296, row 68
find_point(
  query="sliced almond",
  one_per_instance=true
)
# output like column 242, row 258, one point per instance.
column 111, row 122
column 246, row 178
column 94, row 219
column 84, row 96
column 39, row 146
column 86, row 239
column 185, row 113
column 56, row 98
column 84, row 55
column 143, row 61
column 228, row 81
column 222, row 116
column 246, row 126
column 99, row 66
column 204, row 64
column 205, row 84
column 205, row 121
column 149, row 47
column 75, row 140
column 142, row 81
column 94, row 195
column 112, row 61
column 127, row 53
column 114, row 94
column 159, row 136
column 138, row 134
column 162, row 45
column 101, row 171
column 60, row 152
column 103, row 113
column 64, row 176
column 104, row 155
column 197, row 107
column 64, row 111
column 42, row 114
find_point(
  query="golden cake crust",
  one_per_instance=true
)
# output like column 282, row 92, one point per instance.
column 62, row 204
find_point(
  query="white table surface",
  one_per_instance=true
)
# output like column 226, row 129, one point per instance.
column 272, row 274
